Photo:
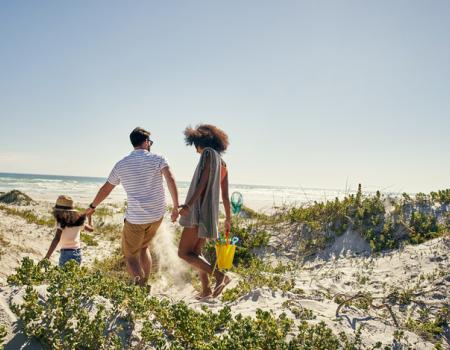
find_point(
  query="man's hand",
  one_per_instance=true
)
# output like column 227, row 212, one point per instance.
column 174, row 215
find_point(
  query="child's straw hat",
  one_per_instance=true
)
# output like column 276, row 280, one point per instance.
column 64, row 203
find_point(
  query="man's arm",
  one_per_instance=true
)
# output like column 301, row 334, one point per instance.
column 104, row 192
column 173, row 190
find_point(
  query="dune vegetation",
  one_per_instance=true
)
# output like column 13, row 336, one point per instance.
column 96, row 307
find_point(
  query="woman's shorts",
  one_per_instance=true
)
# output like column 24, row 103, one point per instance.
column 69, row 254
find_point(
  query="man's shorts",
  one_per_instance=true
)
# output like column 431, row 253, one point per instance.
column 137, row 236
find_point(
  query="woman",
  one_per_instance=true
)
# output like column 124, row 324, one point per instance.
column 200, row 213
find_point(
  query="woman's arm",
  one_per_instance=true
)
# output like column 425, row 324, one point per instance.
column 226, row 202
column 54, row 243
column 204, row 178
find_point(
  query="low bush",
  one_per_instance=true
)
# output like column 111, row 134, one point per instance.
column 85, row 310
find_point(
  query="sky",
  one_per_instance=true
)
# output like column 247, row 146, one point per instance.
column 322, row 94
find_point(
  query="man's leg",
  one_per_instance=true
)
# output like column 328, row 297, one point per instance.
column 144, row 254
column 135, row 270
column 132, row 238
column 146, row 263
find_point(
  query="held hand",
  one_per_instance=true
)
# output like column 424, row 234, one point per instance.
column 174, row 215
column 184, row 210
column 89, row 211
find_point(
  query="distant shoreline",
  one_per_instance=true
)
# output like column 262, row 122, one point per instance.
column 84, row 188
column 103, row 179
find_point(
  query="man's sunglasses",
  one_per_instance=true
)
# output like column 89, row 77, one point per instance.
column 150, row 142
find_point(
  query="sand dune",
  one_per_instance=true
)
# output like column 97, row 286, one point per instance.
column 339, row 272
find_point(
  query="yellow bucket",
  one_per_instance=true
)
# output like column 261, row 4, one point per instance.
column 225, row 256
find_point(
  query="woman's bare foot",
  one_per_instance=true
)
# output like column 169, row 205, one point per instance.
column 220, row 285
column 204, row 294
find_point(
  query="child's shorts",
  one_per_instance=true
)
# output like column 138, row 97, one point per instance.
column 69, row 254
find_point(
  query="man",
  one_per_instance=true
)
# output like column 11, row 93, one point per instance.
column 140, row 173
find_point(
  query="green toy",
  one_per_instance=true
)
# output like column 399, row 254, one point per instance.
column 236, row 202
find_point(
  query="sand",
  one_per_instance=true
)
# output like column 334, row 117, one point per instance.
column 343, row 269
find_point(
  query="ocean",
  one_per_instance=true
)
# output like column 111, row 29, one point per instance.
column 84, row 189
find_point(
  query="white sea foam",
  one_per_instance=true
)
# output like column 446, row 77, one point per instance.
column 83, row 190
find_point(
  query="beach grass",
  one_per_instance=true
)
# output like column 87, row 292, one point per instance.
column 88, row 239
column 29, row 216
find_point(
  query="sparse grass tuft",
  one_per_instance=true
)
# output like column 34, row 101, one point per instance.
column 3, row 243
column 88, row 239
column 430, row 329
column 111, row 231
column 29, row 216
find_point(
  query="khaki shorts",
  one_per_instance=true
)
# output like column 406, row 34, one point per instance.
column 137, row 236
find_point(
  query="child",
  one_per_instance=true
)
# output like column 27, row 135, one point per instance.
column 69, row 223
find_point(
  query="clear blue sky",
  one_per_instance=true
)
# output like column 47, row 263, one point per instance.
column 311, row 93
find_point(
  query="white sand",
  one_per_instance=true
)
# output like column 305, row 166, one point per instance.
column 425, row 268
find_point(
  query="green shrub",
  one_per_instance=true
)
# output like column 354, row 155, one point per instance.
column 441, row 196
column 431, row 329
column 251, row 237
column 83, row 309
column 366, row 215
column 3, row 334
column 425, row 227
column 257, row 275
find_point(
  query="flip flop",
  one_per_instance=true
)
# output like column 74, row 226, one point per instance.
column 200, row 298
column 221, row 286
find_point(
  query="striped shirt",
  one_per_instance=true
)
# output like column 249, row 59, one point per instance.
column 141, row 177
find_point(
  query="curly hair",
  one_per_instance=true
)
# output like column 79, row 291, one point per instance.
column 68, row 218
column 206, row 135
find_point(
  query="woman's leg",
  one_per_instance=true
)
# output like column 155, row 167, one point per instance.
column 206, row 290
column 188, row 251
